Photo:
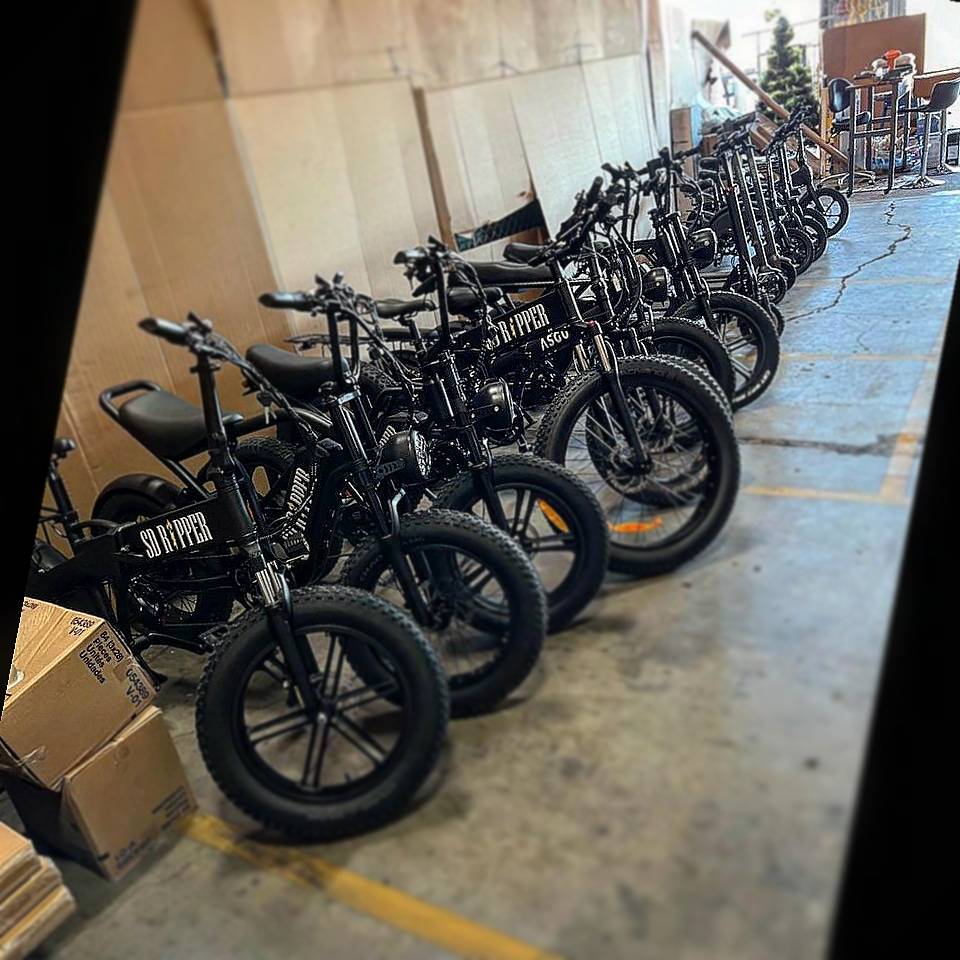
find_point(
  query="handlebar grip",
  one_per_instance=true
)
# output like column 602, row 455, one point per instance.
column 287, row 301
column 414, row 254
column 165, row 330
column 594, row 191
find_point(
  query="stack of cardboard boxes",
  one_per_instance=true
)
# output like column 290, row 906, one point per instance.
column 85, row 757
column 33, row 899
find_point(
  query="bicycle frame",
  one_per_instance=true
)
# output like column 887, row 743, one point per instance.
column 222, row 526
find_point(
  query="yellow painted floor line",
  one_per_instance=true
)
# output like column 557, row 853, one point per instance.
column 813, row 493
column 895, row 486
column 875, row 357
column 907, row 444
column 449, row 931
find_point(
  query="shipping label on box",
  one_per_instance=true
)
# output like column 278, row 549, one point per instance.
column 74, row 683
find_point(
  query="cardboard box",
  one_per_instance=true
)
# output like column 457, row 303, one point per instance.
column 112, row 806
column 74, row 684
column 37, row 925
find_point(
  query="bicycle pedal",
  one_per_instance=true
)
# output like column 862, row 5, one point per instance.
column 209, row 638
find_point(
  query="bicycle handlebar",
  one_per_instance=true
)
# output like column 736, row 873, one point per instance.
column 280, row 300
column 174, row 333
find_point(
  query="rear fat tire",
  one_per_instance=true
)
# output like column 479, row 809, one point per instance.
column 553, row 438
column 695, row 336
column 762, row 329
column 247, row 640
column 834, row 196
column 576, row 504
column 516, row 576
column 817, row 231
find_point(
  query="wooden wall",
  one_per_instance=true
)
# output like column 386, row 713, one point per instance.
column 262, row 141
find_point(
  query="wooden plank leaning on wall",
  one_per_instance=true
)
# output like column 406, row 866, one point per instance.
column 177, row 230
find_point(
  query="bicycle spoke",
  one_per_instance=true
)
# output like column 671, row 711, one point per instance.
column 359, row 738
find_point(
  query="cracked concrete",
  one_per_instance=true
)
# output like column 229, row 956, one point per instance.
column 883, row 446
column 845, row 279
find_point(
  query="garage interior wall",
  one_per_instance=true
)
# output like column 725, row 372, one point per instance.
column 262, row 141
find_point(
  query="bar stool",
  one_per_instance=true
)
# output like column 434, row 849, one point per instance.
column 942, row 97
column 840, row 96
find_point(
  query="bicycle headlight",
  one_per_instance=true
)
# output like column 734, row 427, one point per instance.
column 656, row 285
column 703, row 246
column 411, row 448
column 493, row 404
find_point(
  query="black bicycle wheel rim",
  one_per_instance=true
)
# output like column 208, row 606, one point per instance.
column 282, row 786
column 707, row 485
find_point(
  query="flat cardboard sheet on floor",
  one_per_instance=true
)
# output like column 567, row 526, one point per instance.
column 74, row 683
column 115, row 804
column 18, row 861
column 33, row 891
column 37, row 925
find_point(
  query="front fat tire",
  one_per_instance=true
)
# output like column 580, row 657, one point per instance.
column 577, row 505
column 553, row 438
column 247, row 640
column 803, row 248
column 515, row 573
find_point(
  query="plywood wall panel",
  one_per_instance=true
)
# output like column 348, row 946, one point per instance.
column 171, row 57
column 452, row 42
column 186, row 211
column 270, row 46
column 684, row 85
column 449, row 176
column 335, row 194
column 388, row 176
column 499, row 175
column 275, row 45
column 109, row 348
column 556, row 124
column 659, row 58
column 298, row 171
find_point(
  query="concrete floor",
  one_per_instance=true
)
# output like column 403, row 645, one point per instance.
column 677, row 779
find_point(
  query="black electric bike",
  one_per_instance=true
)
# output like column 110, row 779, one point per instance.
column 553, row 516
column 468, row 586
column 652, row 437
column 743, row 325
column 292, row 733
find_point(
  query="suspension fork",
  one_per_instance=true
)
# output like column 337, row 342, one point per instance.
column 388, row 520
column 610, row 371
column 402, row 565
column 278, row 604
column 481, row 465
